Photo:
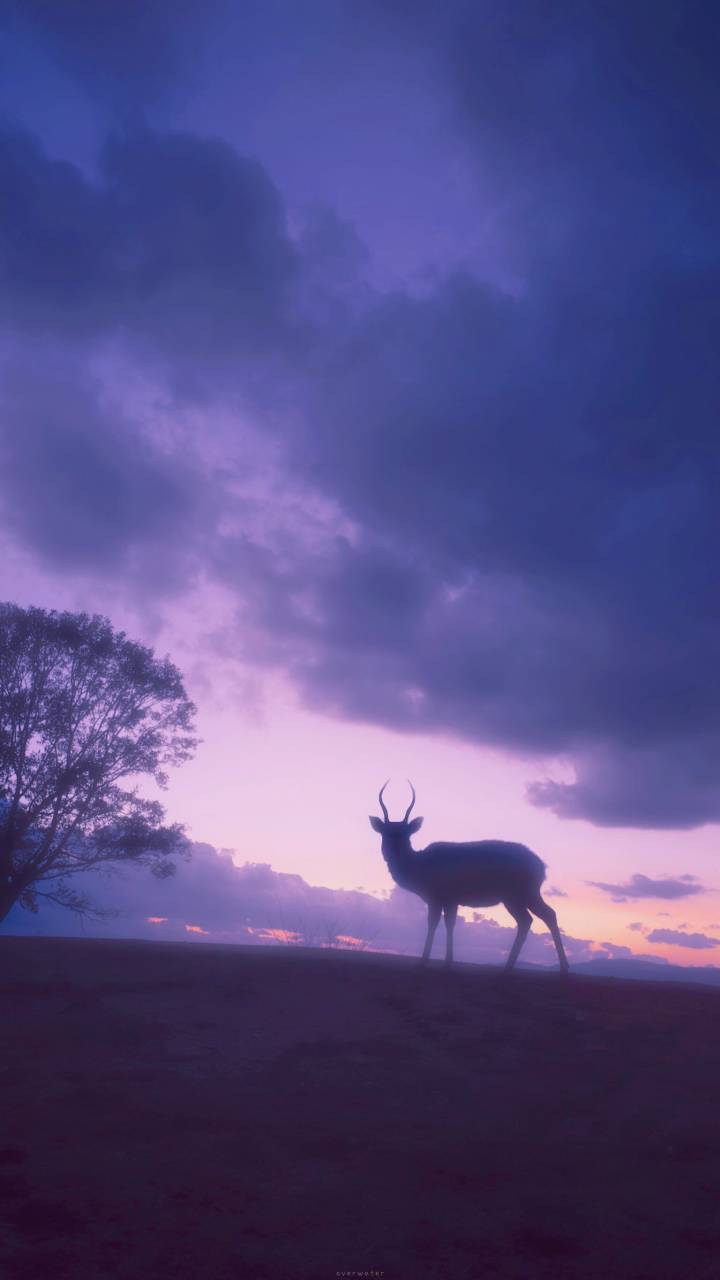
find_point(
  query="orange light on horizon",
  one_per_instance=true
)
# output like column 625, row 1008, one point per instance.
column 274, row 935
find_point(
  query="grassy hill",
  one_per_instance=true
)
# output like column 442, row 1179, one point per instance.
column 170, row 1110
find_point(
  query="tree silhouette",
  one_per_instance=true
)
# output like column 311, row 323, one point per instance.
column 83, row 710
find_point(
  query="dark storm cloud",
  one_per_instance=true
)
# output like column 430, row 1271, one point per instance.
column 696, row 941
column 640, row 886
column 82, row 488
column 591, row 125
column 530, row 474
column 122, row 51
column 561, row 447
column 180, row 246
column 672, row 783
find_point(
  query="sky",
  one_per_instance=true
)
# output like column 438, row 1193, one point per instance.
column 360, row 356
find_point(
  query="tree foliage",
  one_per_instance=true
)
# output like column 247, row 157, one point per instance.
column 85, row 715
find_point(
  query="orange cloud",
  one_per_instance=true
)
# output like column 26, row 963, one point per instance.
column 275, row 935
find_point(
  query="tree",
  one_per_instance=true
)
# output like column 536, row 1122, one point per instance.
column 85, row 714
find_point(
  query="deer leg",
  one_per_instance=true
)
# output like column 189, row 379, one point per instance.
column 434, row 913
column 544, row 912
column 524, row 922
column 450, row 913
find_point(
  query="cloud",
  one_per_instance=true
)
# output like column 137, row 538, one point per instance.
column 180, row 244
column 123, row 54
column 83, row 487
column 612, row 951
column 525, row 529
column 640, row 886
column 696, row 941
column 570, row 119
column 533, row 635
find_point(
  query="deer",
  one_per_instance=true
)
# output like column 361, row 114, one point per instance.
column 482, row 873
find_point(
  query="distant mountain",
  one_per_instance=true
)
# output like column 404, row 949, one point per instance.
column 645, row 970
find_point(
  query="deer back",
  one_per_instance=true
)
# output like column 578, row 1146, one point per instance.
column 479, row 873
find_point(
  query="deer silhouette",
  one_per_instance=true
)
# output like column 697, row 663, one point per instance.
column 479, row 874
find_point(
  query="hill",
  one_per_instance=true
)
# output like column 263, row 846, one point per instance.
column 221, row 1111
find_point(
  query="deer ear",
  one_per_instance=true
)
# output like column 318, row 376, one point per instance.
column 377, row 825
column 415, row 825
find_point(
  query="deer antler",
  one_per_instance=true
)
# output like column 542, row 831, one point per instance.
column 412, row 802
column 382, row 803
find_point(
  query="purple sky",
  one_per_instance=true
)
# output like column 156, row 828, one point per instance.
column 361, row 356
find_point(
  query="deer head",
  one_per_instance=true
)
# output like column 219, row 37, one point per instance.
column 396, row 835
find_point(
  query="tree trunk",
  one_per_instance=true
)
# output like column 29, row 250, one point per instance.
column 9, row 895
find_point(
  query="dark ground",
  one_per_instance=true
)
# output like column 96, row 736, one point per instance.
column 181, row 1110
